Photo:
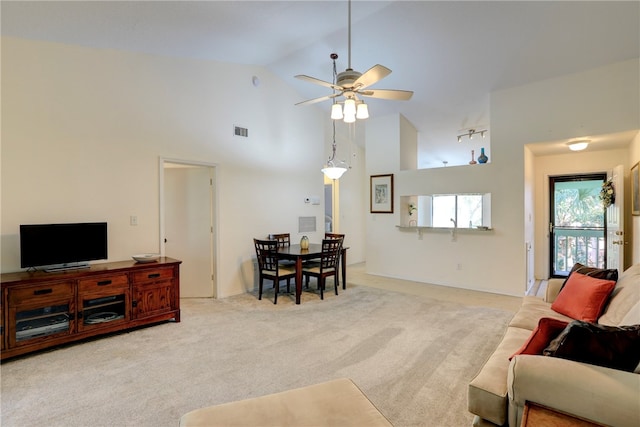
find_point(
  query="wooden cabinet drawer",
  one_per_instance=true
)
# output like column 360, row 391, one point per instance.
column 152, row 275
column 35, row 293
column 100, row 283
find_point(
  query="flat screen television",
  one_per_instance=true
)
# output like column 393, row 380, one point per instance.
column 60, row 246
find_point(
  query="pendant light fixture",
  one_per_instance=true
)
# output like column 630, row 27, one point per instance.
column 334, row 169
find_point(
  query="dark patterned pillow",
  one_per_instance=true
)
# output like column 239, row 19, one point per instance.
column 608, row 346
column 598, row 273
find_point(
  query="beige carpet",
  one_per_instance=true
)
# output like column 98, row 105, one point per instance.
column 412, row 355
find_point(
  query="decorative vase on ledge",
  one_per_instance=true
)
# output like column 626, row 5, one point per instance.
column 473, row 161
column 482, row 158
column 304, row 242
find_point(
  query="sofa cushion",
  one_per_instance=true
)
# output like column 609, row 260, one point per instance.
column 487, row 393
column 608, row 346
column 623, row 308
column 598, row 273
column 583, row 297
column 531, row 311
column 541, row 336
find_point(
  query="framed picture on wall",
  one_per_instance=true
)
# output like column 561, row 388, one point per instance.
column 381, row 194
column 635, row 190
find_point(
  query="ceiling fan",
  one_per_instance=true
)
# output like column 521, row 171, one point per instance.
column 352, row 84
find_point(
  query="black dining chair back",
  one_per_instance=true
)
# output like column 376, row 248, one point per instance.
column 334, row 236
column 269, row 267
column 340, row 260
column 283, row 239
column 327, row 267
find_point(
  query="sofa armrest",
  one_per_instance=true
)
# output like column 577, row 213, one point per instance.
column 603, row 395
column 553, row 289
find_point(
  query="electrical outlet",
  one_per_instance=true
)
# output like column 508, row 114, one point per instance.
column 133, row 220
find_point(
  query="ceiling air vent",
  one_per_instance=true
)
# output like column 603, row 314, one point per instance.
column 240, row 131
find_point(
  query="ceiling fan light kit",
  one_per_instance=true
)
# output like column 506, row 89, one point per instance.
column 351, row 85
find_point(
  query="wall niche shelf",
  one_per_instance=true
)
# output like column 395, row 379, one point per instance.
column 448, row 229
column 421, row 229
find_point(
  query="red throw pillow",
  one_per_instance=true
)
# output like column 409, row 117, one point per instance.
column 583, row 297
column 547, row 329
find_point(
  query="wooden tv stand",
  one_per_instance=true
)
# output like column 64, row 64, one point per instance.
column 40, row 310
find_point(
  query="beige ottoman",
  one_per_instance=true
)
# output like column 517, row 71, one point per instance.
column 334, row 403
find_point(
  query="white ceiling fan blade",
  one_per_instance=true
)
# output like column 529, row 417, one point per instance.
column 396, row 95
column 318, row 82
column 371, row 76
column 314, row 100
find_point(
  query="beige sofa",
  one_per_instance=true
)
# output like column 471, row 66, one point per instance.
column 608, row 396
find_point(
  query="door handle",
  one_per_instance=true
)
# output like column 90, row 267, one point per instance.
column 550, row 227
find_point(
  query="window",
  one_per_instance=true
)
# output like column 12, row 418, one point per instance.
column 459, row 210
column 448, row 210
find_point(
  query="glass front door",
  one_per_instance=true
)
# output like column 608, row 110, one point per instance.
column 577, row 228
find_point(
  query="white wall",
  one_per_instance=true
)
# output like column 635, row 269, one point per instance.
column 82, row 131
column 594, row 102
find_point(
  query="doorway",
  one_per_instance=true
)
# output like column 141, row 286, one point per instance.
column 187, row 224
column 331, row 205
column 577, row 227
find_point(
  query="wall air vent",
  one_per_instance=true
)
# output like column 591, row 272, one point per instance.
column 306, row 224
column 240, row 131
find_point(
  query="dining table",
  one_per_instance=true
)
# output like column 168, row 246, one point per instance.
column 314, row 251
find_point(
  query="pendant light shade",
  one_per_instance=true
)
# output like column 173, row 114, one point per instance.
column 334, row 170
column 363, row 111
column 349, row 107
column 336, row 112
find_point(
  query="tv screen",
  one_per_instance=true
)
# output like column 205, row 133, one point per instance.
column 54, row 244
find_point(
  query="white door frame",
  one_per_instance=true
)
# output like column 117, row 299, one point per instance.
column 214, row 210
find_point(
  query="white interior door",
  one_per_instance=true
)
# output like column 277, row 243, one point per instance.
column 188, row 226
column 615, row 222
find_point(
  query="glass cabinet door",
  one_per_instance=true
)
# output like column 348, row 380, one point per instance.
column 31, row 323
column 102, row 310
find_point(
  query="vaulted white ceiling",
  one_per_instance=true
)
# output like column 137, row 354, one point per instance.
column 452, row 54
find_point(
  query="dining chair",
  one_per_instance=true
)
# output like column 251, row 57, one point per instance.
column 284, row 241
column 270, row 268
column 341, row 237
column 328, row 265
